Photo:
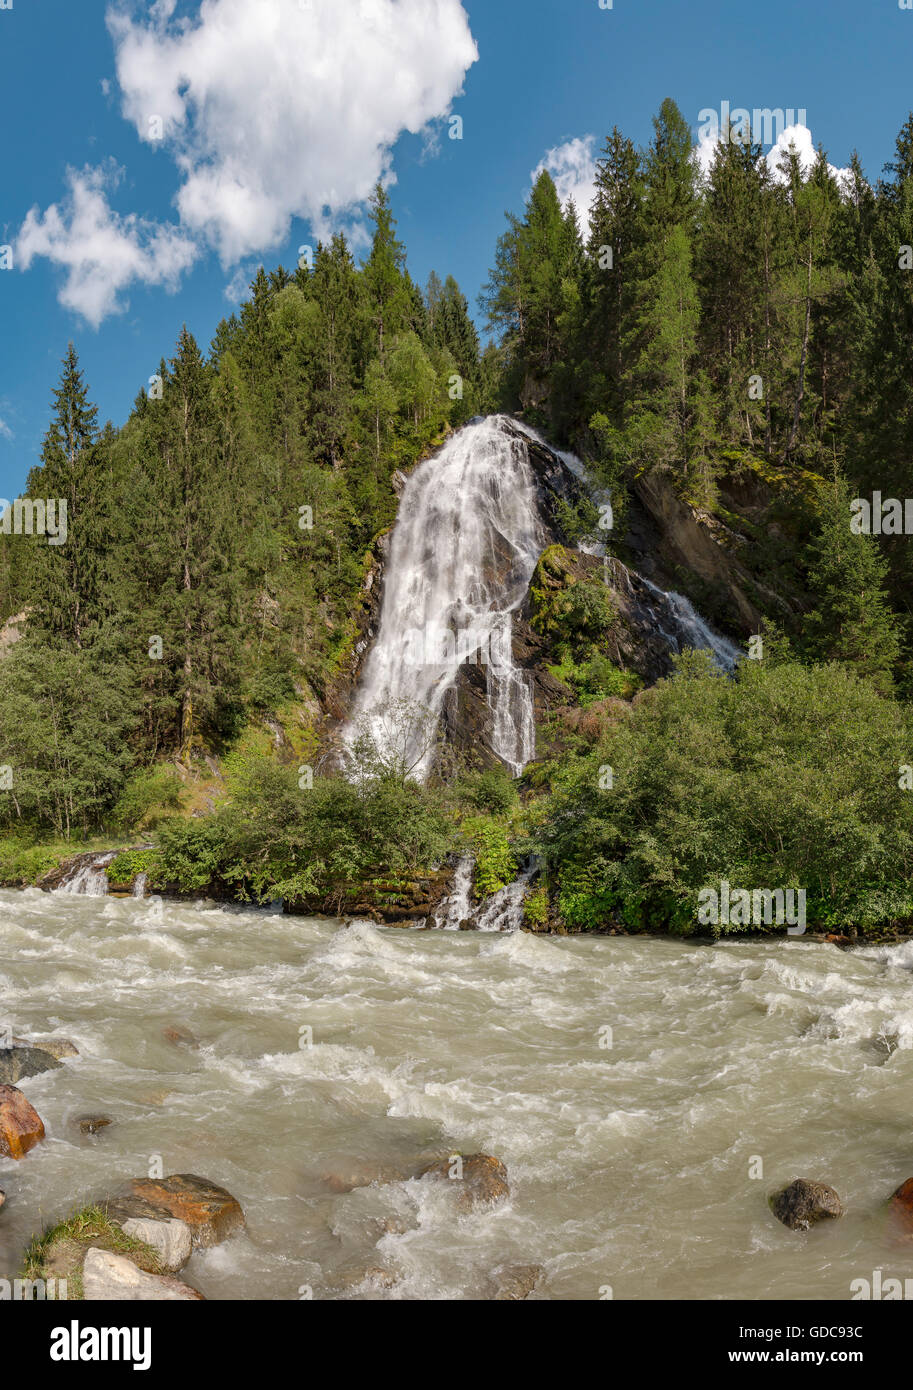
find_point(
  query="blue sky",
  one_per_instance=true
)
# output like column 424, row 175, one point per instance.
column 276, row 115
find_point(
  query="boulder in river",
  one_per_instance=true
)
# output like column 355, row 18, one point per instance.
column 900, row 1211
column 20, row 1124
column 19, row 1062
column 106, row 1276
column 57, row 1047
column 211, row 1213
column 803, row 1203
column 481, row 1180
column 171, row 1240
column 180, row 1037
column 513, row 1283
column 91, row 1124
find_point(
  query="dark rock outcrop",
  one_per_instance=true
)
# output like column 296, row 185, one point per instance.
column 21, row 1061
column 802, row 1204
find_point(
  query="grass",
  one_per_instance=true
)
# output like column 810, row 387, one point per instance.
column 59, row 1252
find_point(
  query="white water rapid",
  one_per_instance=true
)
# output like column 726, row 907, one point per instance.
column 462, row 554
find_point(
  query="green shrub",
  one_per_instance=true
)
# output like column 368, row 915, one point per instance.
column 786, row 777
column 151, row 794
column 495, row 862
column 493, row 791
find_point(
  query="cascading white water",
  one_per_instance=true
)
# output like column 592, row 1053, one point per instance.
column 463, row 551
column 89, row 879
column 457, row 907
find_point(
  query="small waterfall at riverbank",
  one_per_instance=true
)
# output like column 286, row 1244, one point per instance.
column 87, row 876
column 456, row 908
column 503, row 911
column 462, row 555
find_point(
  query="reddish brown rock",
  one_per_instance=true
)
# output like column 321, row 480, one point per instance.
column 180, row 1037
column 20, row 1125
column 480, row 1179
column 211, row 1213
column 900, row 1212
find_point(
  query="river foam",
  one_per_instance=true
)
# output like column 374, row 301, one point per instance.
column 630, row 1165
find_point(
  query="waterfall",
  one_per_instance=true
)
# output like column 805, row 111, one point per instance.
column 503, row 911
column 462, row 554
column 456, row 908
column 87, row 876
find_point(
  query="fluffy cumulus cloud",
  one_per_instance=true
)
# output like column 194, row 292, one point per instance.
column 285, row 108
column 101, row 250
column 798, row 135
column 573, row 167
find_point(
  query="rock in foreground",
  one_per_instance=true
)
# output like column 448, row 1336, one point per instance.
column 802, row 1204
column 108, row 1276
column 211, row 1213
column 19, row 1062
column 20, row 1125
column 171, row 1240
column 480, row 1179
column 900, row 1211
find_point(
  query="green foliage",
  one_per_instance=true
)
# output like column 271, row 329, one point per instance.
column 276, row 839
column 535, row 906
column 596, row 679
column 785, row 777
column 126, row 865
column 495, row 863
column 150, row 795
column 493, row 791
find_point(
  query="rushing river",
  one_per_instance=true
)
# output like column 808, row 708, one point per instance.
column 630, row 1166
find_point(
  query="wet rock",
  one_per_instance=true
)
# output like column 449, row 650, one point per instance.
column 515, row 1282
column 480, row 1179
column 180, row 1037
column 802, row 1204
column 19, row 1062
column 349, row 1174
column 467, row 924
column 91, row 1124
column 900, row 1212
column 109, row 1276
column 57, row 1047
column 211, row 1213
column 2, row 1200
column 20, row 1125
column 171, row 1240
column 356, row 1275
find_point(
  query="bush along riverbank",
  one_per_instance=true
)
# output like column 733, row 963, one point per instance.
column 776, row 801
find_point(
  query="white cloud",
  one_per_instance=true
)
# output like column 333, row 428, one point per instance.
column 799, row 135
column 102, row 251
column 5, row 431
column 284, row 108
column 573, row 167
